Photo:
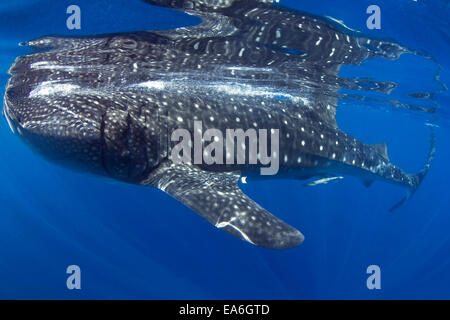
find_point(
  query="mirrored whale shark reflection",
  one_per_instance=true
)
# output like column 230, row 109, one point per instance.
column 108, row 104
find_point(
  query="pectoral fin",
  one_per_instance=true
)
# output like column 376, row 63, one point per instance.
column 217, row 197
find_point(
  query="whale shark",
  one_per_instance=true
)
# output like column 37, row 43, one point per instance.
column 109, row 105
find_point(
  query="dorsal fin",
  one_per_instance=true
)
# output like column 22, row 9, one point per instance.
column 381, row 148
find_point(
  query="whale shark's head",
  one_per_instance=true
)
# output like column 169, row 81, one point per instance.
column 102, row 131
column 63, row 131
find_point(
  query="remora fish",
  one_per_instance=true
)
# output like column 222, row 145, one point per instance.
column 108, row 104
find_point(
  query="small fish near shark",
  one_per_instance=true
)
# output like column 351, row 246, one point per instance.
column 108, row 105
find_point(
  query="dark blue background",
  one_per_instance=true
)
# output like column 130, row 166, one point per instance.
column 136, row 242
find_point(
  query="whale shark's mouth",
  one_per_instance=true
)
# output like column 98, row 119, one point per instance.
column 12, row 123
column 8, row 119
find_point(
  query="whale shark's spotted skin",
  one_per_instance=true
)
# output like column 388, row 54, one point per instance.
column 108, row 104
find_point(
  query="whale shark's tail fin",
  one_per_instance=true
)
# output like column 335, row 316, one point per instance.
column 418, row 178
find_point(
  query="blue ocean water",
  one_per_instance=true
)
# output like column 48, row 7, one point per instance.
column 137, row 243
